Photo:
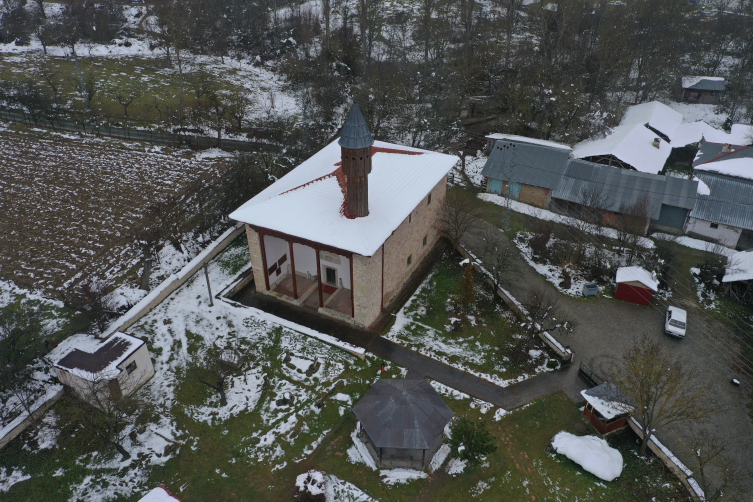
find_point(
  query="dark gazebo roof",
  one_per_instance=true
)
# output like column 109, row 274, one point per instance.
column 355, row 133
column 406, row 414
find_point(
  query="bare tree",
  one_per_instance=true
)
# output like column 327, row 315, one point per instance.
column 632, row 222
column 125, row 95
column 497, row 253
column 661, row 386
column 218, row 113
column 212, row 367
column 546, row 314
column 463, row 214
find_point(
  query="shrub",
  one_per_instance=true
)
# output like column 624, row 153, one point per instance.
column 470, row 441
column 539, row 242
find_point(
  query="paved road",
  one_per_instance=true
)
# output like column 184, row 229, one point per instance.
column 608, row 327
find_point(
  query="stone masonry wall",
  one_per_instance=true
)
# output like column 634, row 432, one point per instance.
column 254, row 247
column 407, row 240
column 367, row 278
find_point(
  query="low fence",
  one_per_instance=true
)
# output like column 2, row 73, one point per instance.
column 565, row 353
column 158, row 294
column 673, row 463
column 128, row 134
column 590, row 375
column 8, row 433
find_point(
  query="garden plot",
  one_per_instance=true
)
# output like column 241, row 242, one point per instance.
column 488, row 343
column 69, row 207
column 275, row 415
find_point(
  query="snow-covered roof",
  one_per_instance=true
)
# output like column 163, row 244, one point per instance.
column 524, row 139
column 308, row 202
column 703, row 188
column 158, row 494
column 707, row 83
column 653, row 114
column 632, row 144
column 608, row 400
column 590, row 452
column 740, row 267
column 630, row 274
column 92, row 359
column 739, row 168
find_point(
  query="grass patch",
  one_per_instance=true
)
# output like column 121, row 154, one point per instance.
column 520, row 469
column 483, row 343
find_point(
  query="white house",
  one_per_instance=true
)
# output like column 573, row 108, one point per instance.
column 116, row 366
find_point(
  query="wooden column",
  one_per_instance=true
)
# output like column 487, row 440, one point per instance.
column 264, row 260
column 352, row 288
column 319, row 276
column 292, row 268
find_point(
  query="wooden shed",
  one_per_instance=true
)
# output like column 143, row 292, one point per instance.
column 636, row 284
column 402, row 422
column 607, row 408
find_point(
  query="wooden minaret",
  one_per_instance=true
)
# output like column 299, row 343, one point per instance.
column 355, row 145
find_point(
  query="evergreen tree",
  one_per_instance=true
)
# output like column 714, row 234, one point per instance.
column 470, row 441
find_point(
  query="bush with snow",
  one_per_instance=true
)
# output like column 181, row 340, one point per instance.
column 592, row 453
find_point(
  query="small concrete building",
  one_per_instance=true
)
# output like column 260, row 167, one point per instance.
column 635, row 284
column 342, row 233
column 607, row 407
column 116, row 366
column 402, row 422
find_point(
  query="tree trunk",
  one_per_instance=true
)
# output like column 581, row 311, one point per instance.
column 121, row 450
column 644, row 442
column 147, row 273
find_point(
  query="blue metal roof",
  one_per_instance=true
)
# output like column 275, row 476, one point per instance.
column 713, row 152
column 729, row 202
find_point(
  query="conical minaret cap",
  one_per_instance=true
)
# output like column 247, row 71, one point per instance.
column 355, row 133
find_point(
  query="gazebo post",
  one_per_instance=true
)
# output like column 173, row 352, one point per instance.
column 380, row 456
column 423, row 458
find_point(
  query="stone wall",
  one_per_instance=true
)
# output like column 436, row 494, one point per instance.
column 254, row 247
column 367, row 277
column 408, row 240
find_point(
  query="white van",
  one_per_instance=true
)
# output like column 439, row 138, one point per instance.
column 674, row 324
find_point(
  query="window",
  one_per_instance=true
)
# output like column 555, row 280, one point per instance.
column 131, row 367
column 428, row 201
column 410, row 259
column 331, row 276
column 426, row 237
column 714, row 225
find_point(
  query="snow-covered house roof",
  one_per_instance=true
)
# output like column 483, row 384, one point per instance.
column 655, row 115
column 738, row 168
column 308, row 202
column 608, row 399
column 740, row 267
column 92, row 359
column 701, row 83
column 727, row 200
column 399, row 413
column 637, row 274
column 524, row 139
column 631, row 144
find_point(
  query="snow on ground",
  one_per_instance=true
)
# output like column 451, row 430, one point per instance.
column 9, row 293
column 9, row 478
column 439, row 458
column 401, row 476
column 333, row 488
column 695, row 112
column 456, row 466
column 543, row 214
column 242, row 394
column 473, row 166
column 592, row 453
column 46, row 435
column 359, row 453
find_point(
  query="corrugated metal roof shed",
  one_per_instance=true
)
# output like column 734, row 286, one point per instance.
column 713, row 152
column 622, row 187
column 703, row 84
column 730, row 201
column 526, row 163
column 406, row 414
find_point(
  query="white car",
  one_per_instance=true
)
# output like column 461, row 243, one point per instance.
column 674, row 324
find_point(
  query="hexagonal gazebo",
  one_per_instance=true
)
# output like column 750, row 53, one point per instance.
column 402, row 422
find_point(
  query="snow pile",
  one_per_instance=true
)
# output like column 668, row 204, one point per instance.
column 359, row 453
column 499, row 414
column 456, row 466
column 333, row 488
column 439, row 457
column 591, row 453
column 312, row 482
column 400, row 476
column 703, row 188
column 158, row 494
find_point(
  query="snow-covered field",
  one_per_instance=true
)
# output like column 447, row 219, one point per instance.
column 279, row 433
